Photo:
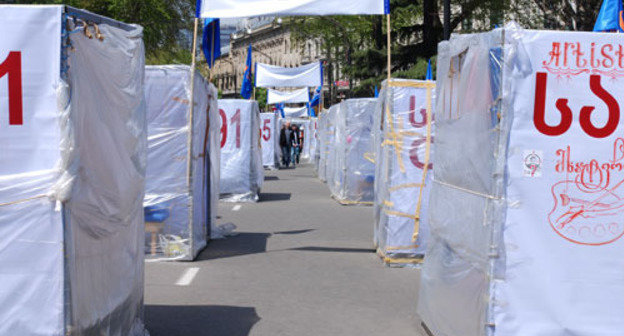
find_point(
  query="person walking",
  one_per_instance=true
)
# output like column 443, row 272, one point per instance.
column 295, row 144
column 285, row 144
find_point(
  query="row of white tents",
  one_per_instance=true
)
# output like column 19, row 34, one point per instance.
column 514, row 206
column 106, row 163
column 504, row 181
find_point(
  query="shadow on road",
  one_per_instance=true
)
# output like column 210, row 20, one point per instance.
column 242, row 244
column 294, row 232
column 332, row 249
column 274, row 197
column 200, row 320
column 271, row 178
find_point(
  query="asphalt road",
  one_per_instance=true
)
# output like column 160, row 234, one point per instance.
column 300, row 265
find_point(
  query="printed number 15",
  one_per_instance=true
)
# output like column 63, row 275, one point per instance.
column 12, row 67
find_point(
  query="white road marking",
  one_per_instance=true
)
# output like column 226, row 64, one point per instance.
column 236, row 207
column 188, row 276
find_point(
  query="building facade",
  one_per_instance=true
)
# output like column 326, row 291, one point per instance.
column 271, row 44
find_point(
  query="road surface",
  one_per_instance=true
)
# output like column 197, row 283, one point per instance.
column 300, row 265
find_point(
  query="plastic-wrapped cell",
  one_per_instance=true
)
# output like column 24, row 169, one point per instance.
column 269, row 136
column 352, row 176
column 330, row 144
column 242, row 173
column 72, row 174
column 403, row 137
column 171, row 194
column 524, row 210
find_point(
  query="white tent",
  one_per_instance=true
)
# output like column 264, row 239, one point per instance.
column 351, row 175
column 309, row 140
column 526, row 227
column 72, row 173
column 269, row 134
column 403, row 142
column 168, row 192
column 242, row 173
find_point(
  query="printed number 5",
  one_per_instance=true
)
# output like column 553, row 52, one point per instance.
column 12, row 66
column 266, row 128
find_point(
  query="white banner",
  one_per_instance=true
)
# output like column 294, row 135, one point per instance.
column 309, row 75
column 295, row 112
column 298, row 96
column 268, row 138
column 566, row 172
column 249, row 8
column 31, row 232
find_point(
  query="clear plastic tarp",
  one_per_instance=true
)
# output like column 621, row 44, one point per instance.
column 72, row 174
column 171, row 194
column 309, row 145
column 525, row 207
column 351, row 171
column 269, row 133
column 403, row 137
column 242, row 173
column 321, row 147
column 327, row 143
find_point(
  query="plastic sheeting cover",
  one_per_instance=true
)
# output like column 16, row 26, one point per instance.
column 270, row 140
column 526, row 236
column 242, row 173
column 83, row 274
column 403, row 145
column 352, row 175
column 167, row 93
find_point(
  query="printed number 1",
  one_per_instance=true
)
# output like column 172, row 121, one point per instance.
column 236, row 119
column 12, row 66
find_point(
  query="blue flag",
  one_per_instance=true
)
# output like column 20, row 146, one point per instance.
column 316, row 99
column 211, row 41
column 280, row 108
column 429, row 71
column 247, row 87
column 610, row 18
column 376, row 92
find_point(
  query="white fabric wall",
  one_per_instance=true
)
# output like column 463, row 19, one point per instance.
column 270, row 139
column 242, row 174
column 72, row 180
column 168, row 97
column 532, row 244
column 31, row 231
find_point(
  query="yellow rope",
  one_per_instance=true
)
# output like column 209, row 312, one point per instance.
column 23, row 200
column 418, row 85
column 399, row 214
column 405, row 186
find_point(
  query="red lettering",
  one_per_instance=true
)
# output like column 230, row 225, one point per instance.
column 613, row 108
column 12, row 66
column 236, row 119
column 607, row 62
column 539, row 113
column 223, row 127
column 554, row 54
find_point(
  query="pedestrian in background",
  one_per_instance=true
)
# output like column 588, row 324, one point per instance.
column 295, row 144
column 285, row 144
